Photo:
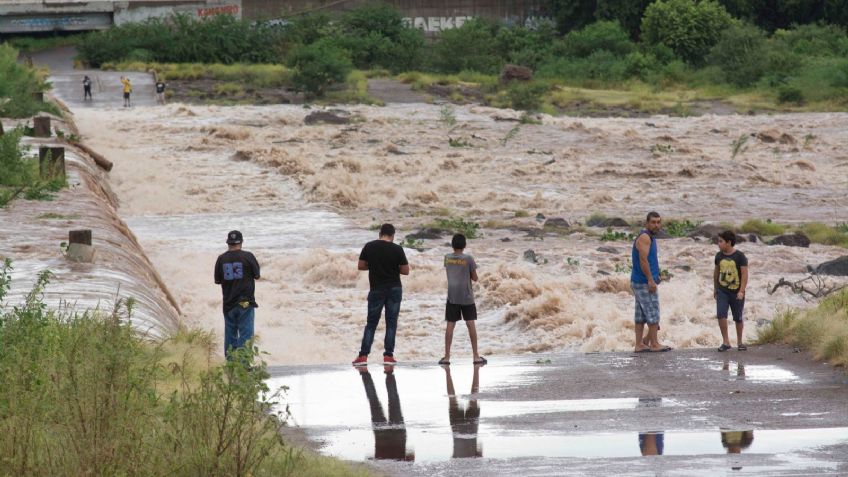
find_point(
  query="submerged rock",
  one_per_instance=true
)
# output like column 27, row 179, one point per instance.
column 426, row 234
column 556, row 223
column 791, row 240
column 838, row 267
column 607, row 222
column 530, row 256
column 327, row 117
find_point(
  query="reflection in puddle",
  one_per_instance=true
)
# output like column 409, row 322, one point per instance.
column 757, row 372
column 417, row 428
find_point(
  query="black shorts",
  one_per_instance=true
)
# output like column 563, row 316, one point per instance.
column 126, row 96
column 727, row 300
column 454, row 313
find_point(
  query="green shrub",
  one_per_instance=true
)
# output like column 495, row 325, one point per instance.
column 741, row 53
column 376, row 37
column 602, row 35
column 526, row 96
column 458, row 225
column 17, row 83
column 15, row 169
column 680, row 228
column 469, row 47
column 689, row 28
column 814, row 40
column 825, row 234
column 790, row 94
column 525, row 46
column 318, row 66
column 765, row 228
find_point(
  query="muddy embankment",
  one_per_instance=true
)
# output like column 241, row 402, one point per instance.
column 305, row 197
column 31, row 232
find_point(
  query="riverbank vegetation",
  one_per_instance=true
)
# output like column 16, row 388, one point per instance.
column 660, row 56
column 19, row 173
column 822, row 330
column 85, row 394
column 18, row 84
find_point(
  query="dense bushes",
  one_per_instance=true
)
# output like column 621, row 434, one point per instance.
column 688, row 28
column 318, row 66
column 85, row 395
column 182, row 39
column 689, row 43
column 17, row 83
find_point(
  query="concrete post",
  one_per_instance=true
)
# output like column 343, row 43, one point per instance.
column 41, row 125
column 79, row 246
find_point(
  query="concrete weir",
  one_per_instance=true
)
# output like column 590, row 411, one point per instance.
column 31, row 16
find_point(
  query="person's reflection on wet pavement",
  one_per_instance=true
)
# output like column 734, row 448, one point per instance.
column 740, row 367
column 652, row 443
column 464, row 422
column 736, row 441
column 389, row 435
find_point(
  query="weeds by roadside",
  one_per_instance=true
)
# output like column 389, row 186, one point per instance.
column 822, row 330
column 19, row 176
column 84, row 394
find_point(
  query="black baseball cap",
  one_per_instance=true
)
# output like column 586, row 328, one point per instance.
column 234, row 237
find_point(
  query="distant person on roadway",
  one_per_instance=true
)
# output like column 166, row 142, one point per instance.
column 730, row 278
column 461, row 270
column 644, row 279
column 385, row 262
column 86, row 88
column 160, row 91
column 127, row 91
column 236, row 271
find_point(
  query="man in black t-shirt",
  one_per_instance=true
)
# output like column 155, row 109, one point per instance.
column 160, row 91
column 235, row 271
column 385, row 262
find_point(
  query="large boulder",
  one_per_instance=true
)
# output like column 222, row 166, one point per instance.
column 327, row 117
column 556, row 223
column 596, row 221
column 709, row 231
column 791, row 240
column 511, row 73
column 834, row 267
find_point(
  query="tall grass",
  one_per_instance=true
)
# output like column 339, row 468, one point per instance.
column 822, row 330
column 762, row 227
column 84, row 394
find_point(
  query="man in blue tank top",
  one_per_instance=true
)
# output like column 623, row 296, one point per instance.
column 644, row 280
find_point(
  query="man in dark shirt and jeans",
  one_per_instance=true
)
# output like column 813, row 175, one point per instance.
column 385, row 262
column 235, row 271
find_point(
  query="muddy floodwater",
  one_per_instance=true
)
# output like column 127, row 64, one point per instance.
column 306, row 198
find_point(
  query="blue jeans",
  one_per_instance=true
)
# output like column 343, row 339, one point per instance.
column 377, row 299
column 238, row 327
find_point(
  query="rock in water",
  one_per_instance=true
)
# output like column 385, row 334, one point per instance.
column 327, row 117
column 530, row 256
column 838, row 267
column 556, row 223
column 606, row 222
column 791, row 240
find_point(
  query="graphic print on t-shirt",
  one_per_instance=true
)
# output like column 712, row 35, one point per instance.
column 728, row 277
column 233, row 271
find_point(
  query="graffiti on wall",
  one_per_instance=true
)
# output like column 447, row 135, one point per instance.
column 437, row 24
column 222, row 10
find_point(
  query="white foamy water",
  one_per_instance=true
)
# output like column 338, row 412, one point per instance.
column 304, row 197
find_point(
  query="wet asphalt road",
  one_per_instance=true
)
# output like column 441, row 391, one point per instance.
column 767, row 411
column 107, row 90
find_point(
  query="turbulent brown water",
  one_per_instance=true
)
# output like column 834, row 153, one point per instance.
column 305, row 197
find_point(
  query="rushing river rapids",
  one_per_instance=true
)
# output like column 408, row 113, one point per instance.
column 305, row 196
column 31, row 233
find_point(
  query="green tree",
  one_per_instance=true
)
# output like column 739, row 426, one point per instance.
column 626, row 12
column 741, row 53
column 469, row 47
column 688, row 27
column 602, row 35
column 571, row 14
column 318, row 66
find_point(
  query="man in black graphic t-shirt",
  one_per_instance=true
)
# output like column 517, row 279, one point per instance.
column 235, row 271
column 385, row 262
column 730, row 279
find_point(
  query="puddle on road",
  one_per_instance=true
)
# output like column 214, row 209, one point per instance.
column 431, row 414
column 758, row 372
